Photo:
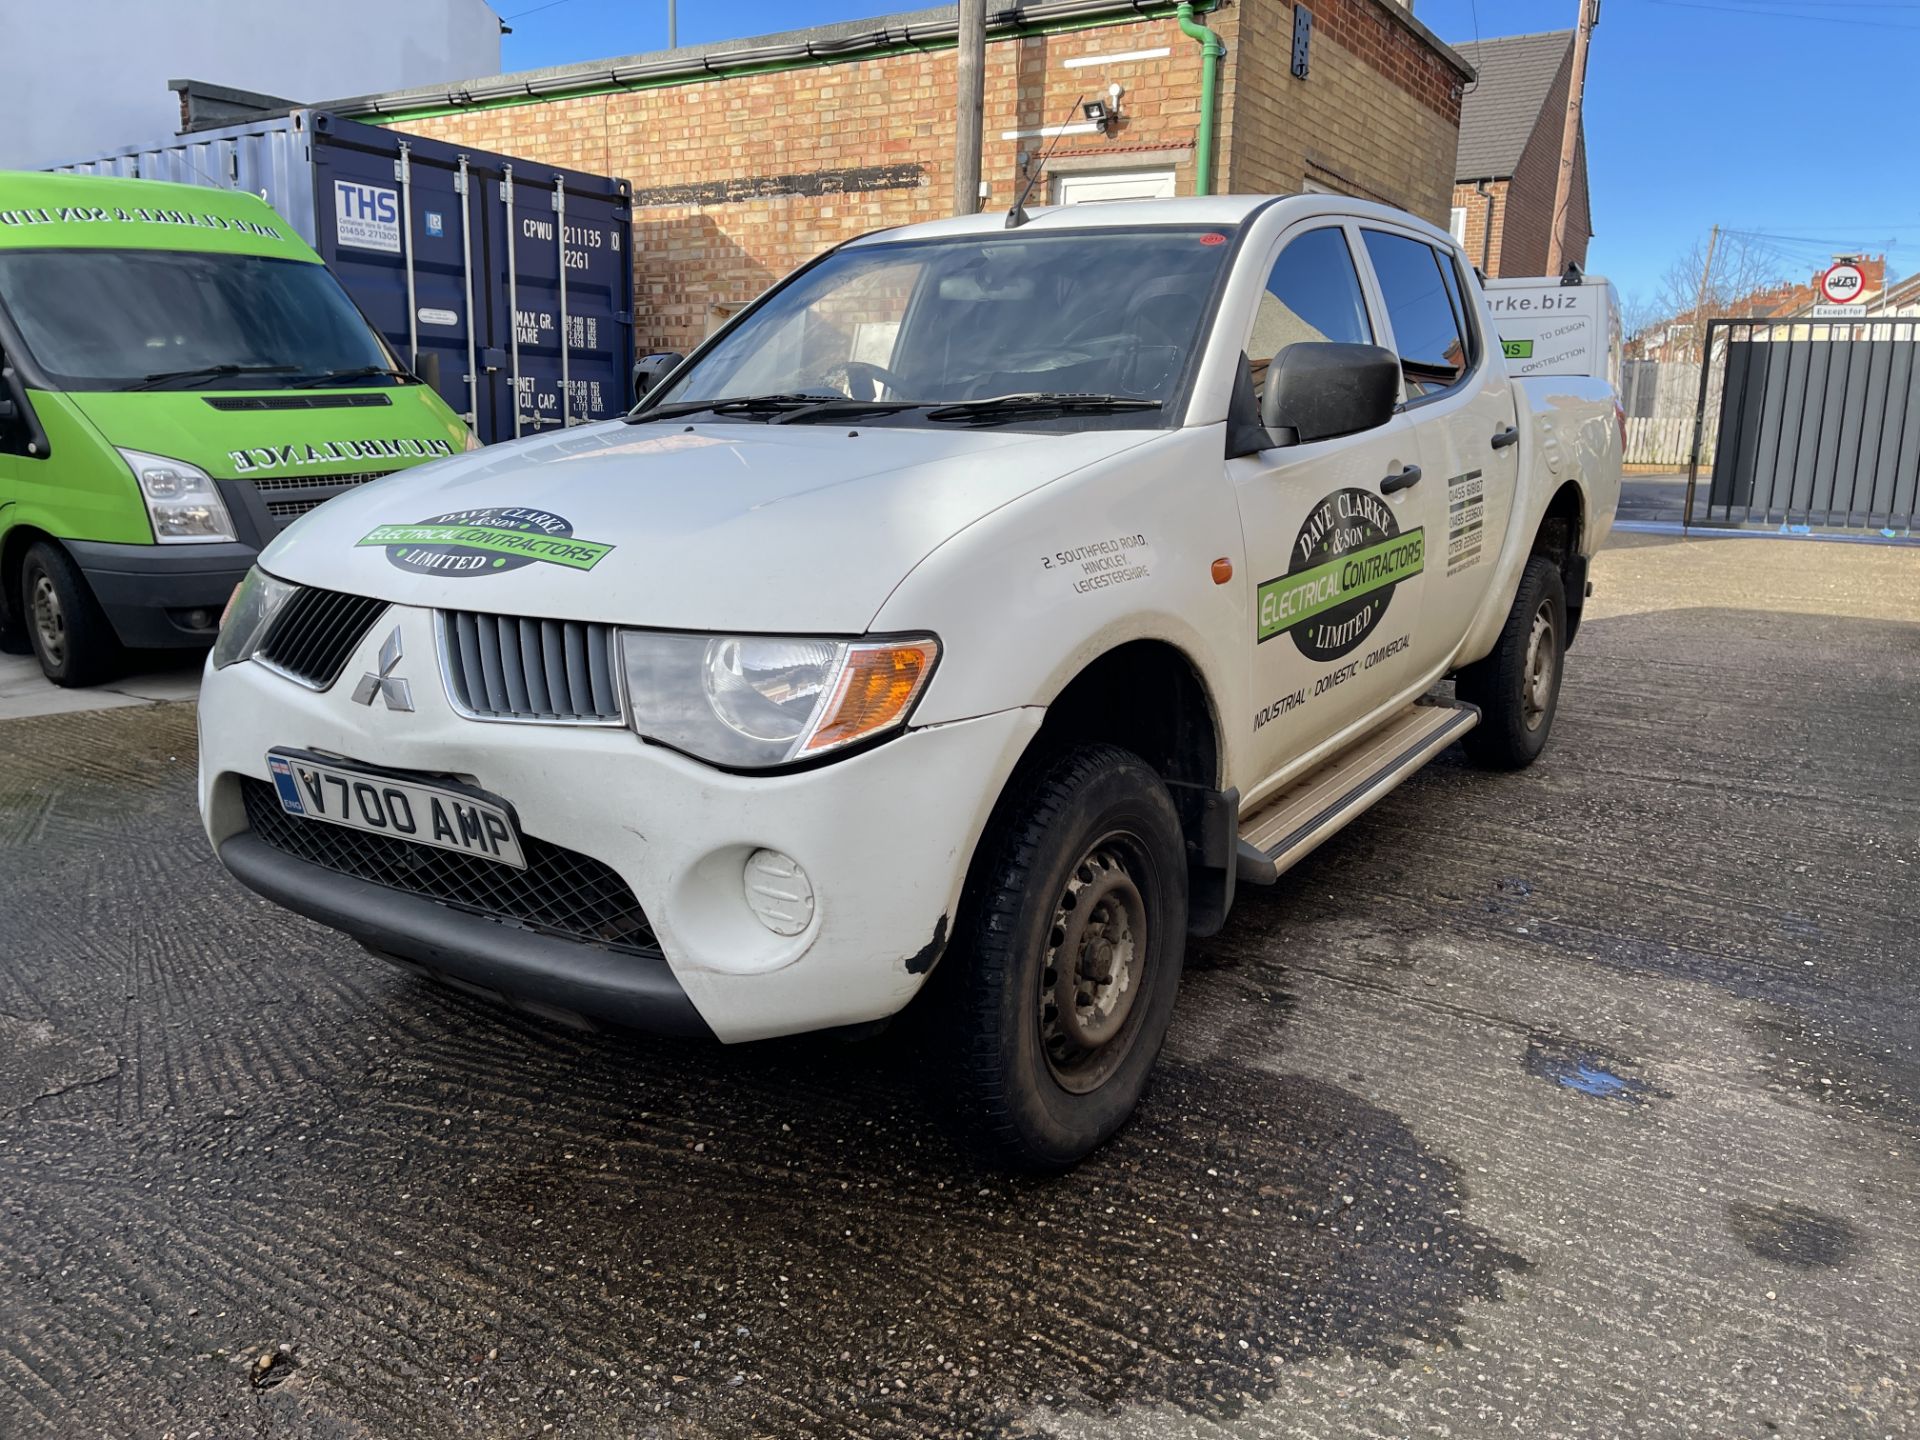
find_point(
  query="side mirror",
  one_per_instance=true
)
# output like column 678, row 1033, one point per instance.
column 430, row 368
column 649, row 370
column 1322, row 390
column 9, row 412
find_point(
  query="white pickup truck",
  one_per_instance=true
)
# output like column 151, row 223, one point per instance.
column 984, row 605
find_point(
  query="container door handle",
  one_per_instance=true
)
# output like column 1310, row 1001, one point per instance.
column 1503, row 438
column 1404, row 480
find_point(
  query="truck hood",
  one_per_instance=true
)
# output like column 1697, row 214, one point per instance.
column 279, row 434
column 804, row 528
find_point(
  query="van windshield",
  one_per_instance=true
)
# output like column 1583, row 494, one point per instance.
column 1112, row 316
column 164, row 319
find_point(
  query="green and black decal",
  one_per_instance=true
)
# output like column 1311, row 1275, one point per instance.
column 1517, row 349
column 1347, row 560
column 485, row 542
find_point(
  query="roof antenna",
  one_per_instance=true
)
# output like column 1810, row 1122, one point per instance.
column 1017, row 216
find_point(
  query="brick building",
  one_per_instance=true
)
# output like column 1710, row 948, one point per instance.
column 1511, row 123
column 748, row 158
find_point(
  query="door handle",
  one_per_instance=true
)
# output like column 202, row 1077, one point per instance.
column 1405, row 479
column 1503, row 438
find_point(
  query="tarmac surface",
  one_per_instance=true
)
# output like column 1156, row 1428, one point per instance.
column 1579, row 1102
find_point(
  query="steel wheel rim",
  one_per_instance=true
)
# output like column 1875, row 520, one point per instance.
column 49, row 621
column 1095, row 965
column 1543, row 664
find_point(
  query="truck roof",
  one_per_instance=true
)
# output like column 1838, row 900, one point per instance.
column 1099, row 214
column 98, row 212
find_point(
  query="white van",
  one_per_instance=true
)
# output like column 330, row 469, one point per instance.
column 1550, row 326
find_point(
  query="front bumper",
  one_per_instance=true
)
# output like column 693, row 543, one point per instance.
column 885, row 835
column 154, row 594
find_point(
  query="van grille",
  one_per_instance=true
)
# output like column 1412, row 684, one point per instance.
column 561, row 891
column 316, row 482
column 315, row 632
column 506, row 667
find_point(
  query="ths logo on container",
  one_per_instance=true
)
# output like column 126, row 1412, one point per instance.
column 486, row 542
column 1347, row 561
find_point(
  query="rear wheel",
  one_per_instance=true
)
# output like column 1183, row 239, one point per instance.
column 1517, row 687
column 1068, row 958
column 65, row 625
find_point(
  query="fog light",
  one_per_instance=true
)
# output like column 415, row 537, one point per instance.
column 778, row 892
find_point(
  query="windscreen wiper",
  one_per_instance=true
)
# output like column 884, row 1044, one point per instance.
column 1030, row 402
column 205, row 372
column 736, row 405
column 841, row 406
column 354, row 372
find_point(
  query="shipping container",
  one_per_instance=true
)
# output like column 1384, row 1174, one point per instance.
column 424, row 234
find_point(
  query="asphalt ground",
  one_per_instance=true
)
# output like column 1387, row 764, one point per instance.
column 1579, row 1102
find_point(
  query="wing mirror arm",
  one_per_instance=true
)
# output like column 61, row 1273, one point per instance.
column 1246, row 434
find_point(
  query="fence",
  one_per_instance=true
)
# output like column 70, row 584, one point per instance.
column 1820, row 428
column 1660, row 397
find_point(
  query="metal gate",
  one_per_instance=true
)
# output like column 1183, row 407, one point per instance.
column 1811, row 426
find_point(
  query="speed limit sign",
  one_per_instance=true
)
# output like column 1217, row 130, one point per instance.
column 1843, row 284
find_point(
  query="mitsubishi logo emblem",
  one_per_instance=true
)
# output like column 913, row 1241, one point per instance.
column 387, row 685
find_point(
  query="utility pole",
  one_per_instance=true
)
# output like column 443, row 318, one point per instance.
column 1700, row 302
column 1570, row 137
column 970, row 102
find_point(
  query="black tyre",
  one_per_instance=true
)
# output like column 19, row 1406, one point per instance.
column 1517, row 687
column 1067, row 957
column 69, row 633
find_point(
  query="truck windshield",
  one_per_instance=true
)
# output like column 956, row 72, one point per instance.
column 1092, row 318
column 164, row 319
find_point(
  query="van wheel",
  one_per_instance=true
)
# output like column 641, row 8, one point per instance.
column 1517, row 687
column 1070, row 949
column 69, row 633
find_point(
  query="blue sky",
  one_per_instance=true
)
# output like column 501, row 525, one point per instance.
column 1784, row 118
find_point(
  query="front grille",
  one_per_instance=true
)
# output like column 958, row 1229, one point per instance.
column 315, row 632
column 350, row 401
column 316, row 482
column 290, row 509
column 561, row 892
column 505, row 667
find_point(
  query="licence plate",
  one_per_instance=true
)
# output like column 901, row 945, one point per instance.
column 404, row 809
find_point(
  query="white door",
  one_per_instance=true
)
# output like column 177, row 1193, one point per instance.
column 1113, row 185
column 1458, row 404
column 1338, row 564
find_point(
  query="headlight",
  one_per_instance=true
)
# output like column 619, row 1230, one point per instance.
column 473, row 441
column 256, row 600
column 182, row 500
column 755, row 701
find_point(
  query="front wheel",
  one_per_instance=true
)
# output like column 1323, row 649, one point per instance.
column 71, row 636
column 1517, row 687
column 1069, row 954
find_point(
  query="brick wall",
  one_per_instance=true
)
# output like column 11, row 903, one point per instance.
column 1378, row 115
column 1482, row 219
column 739, row 179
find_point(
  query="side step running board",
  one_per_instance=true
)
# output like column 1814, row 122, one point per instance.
column 1320, row 803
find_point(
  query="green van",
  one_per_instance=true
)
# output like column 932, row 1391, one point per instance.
column 180, row 377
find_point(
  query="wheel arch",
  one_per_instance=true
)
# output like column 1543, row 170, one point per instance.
column 1150, row 697
column 14, row 544
column 1562, row 538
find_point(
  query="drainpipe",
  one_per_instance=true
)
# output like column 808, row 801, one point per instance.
column 1212, row 50
column 1486, row 226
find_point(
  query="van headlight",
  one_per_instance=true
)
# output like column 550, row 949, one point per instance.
column 256, row 600
column 757, row 701
column 182, row 500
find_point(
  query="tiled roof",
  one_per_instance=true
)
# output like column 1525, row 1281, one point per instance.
column 1499, row 113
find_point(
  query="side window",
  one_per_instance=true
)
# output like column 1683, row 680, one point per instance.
column 1424, row 306
column 1313, row 293
column 15, row 429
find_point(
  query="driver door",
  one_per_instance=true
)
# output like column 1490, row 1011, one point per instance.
column 1318, row 669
